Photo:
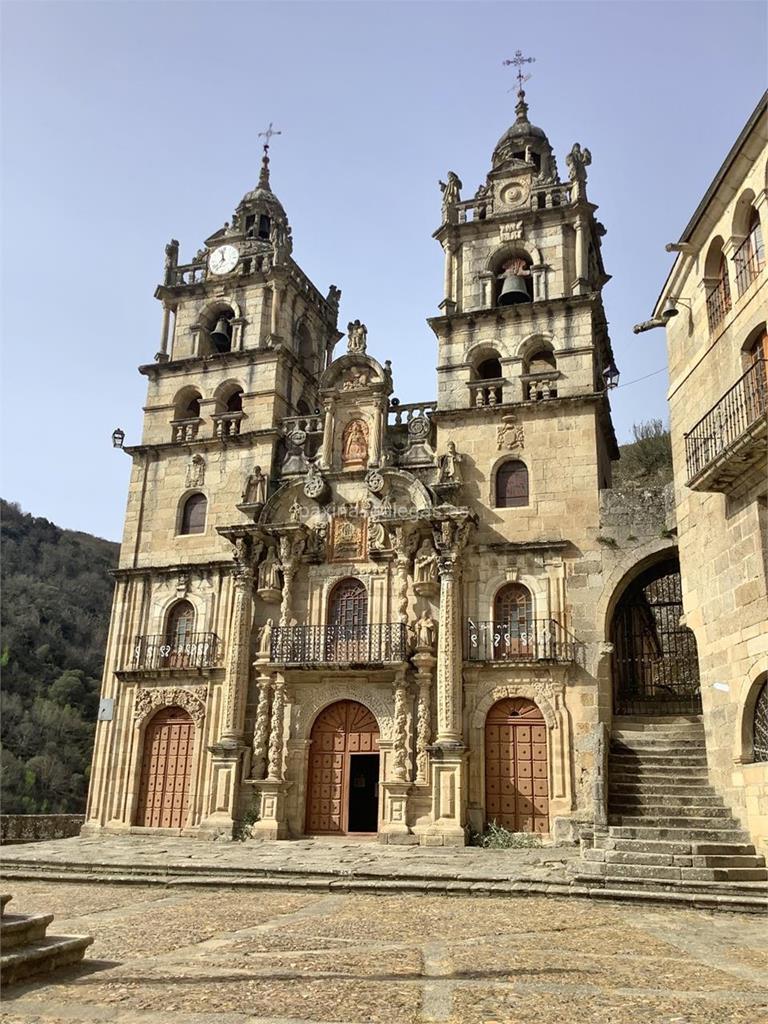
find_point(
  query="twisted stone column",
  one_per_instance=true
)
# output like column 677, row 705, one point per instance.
column 238, row 655
column 424, row 661
column 399, row 751
column 261, row 729
column 275, row 767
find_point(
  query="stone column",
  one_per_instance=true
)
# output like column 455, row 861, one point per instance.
column 289, row 575
column 238, row 655
column 449, row 654
column 162, row 355
column 448, row 279
column 379, row 415
column 582, row 259
column 424, row 661
column 261, row 728
column 394, row 828
column 272, row 791
column 275, row 311
column 327, row 450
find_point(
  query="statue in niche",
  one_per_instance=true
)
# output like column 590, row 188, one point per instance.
column 354, row 444
column 255, row 490
column 357, row 337
column 270, row 584
column 425, row 630
column 449, row 471
column 425, row 569
column 265, row 639
column 377, row 535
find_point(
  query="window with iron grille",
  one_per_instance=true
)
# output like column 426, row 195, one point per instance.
column 193, row 514
column 348, row 604
column 512, row 484
column 180, row 623
column 760, row 725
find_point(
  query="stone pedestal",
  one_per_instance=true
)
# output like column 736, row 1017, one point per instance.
column 271, row 796
column 394, row 828
column 225, row 763
column 449, row 798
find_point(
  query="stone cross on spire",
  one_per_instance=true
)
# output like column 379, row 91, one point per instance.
column 264, row 173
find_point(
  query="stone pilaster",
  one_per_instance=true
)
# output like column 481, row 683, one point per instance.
column 238, row 655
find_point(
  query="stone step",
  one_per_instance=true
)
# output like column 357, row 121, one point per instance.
column 730, row 861
column 649, row 802
column 654, row 723
column 679, row 873
column 713, row 835
column 5, row 899
column 672, row 820
column 22, row 929
column 42, row 957
column 663, row 788
column 660, row 776
column 749, row 896
column 628, row 759
column 647, row 743
column 677, row 848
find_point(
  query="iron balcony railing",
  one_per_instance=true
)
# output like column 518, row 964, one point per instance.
column 526, row 640
column 748, row 259
column 739, row 408
column 359, row 645
column 192, row 650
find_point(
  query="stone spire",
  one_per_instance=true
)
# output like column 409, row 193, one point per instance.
column 264, row 173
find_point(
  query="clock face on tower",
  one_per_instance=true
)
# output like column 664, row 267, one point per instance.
column 223, row 260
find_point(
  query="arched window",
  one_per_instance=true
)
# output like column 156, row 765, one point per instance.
column 486, row 366
column 513, row 628
column 749, row 258
column 193, row 514
column 514, row 283
column 540, row 375
column 719, row 287
column 193, row 407
column 347, row 631
column 512, row 484
column 760, row 725
column 186, row 415
column 235, row 401
column 305, row 348
column 180, row 623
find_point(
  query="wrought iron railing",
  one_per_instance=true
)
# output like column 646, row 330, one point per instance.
column 718, row 303
column 748, row 260
column 359, row 645
column 528, row 640
column 739, row 408
column 193, row 650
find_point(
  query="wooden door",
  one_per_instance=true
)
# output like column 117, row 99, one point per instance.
column 516, row 770
column 339, row 733
column 166, row 768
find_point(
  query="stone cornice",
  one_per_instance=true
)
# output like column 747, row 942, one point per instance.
column 514, row 313
column 202, row 442
column 211, row 361
column 131, row 572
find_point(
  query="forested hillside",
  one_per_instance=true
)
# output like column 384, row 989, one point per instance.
column 56, row 599
column 646, row 461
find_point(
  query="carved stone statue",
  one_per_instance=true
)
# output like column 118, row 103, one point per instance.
column 354, row 444
column 449, row 471
column 255, row 490
column 171, row 257
column 357, row 337
column 451, row 190
column 377, row 535
column 281, row 241
column 270, row 584
column 265, row 639
column 425, row 569
column 425, row 630
column 577, row 162
column 333, row 296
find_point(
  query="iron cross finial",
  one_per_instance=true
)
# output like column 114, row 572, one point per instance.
column 517, row 61
column 268, row 135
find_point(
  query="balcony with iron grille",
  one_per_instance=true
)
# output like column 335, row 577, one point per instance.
column 192, row 651
column 730, row 442
column 530, row 640
column 365, row 645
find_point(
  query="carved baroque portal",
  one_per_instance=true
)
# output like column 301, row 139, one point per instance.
column 354, row 445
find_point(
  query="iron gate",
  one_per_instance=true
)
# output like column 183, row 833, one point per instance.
column 656, row 665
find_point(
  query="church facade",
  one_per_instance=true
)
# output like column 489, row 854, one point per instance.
column 337, row 614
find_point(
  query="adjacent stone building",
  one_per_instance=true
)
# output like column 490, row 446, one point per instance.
column 715, row 306
column 340, row 614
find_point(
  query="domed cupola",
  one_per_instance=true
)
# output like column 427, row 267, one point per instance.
column 525, row 146
column 260, row 213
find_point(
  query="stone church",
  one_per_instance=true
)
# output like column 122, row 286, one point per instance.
column 338, row 614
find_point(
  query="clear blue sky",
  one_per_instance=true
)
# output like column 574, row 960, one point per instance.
column 125, row 124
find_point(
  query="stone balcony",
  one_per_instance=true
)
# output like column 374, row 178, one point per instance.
column 730, row 442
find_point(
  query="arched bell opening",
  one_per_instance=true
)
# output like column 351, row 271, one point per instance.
column 513, row 281
column 344, row 768
column 516, row 767
column 655, row 659
column 166, row 770
column 217, row 324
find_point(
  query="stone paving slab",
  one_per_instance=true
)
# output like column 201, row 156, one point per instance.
column 233, row 957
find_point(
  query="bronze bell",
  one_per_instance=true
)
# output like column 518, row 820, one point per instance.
column 221, row 335
column 513, row 290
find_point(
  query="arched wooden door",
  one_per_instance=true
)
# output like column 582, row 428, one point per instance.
column 516, row 769
column 343, row 784
column 166, row 768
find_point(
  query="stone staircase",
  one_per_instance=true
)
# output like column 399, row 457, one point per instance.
column 26, row 949
column 669, row 834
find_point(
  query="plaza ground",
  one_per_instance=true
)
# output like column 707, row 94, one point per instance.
column 243, row 956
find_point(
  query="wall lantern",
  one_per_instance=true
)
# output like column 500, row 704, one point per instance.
column 118, row 436
column 611, row 376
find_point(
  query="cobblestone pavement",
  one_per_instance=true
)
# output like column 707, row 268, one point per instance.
column 195, row 956
column 305, row 856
